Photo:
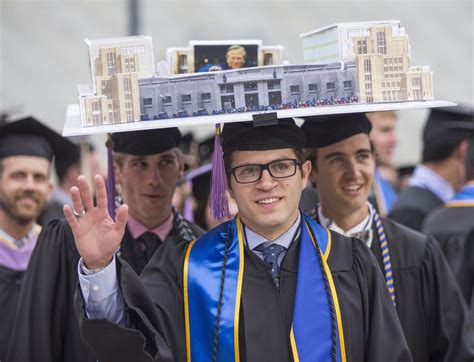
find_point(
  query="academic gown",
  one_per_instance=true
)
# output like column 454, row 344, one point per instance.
column 428, row 301
column 413, row 205
column 46, row 327
column 154, row 306
column 451, row 226
column 10, row 282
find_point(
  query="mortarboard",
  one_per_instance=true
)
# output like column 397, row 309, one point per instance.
column 206, row 150
column 323, row 131
column 253, row 136
column 29, row 137
column 143, row 143
column 446, row 128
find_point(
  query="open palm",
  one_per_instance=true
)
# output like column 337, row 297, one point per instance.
column 96, row 234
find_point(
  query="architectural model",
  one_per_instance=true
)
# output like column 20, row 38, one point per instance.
column 345, row 64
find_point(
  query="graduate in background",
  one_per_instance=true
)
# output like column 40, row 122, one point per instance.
column 441, row 172
column 201, row 191
column 428, row 301
column 269, row 285
column 384, row 137
column 27, row 148
column 147, row 167
column 451, row 224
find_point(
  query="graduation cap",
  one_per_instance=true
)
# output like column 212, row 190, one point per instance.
column 206, row 150
column 445, row 129
column 323, row 131
column 29, row 137
column 146, row 142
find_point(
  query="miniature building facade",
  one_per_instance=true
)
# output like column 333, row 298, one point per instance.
column 382, row 53
column 117, row 93
column 247, row 90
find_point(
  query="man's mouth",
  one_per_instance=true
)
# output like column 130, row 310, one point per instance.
column 268, row 200
column 352, row 187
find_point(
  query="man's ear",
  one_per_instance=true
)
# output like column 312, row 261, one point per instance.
column 117, row 173
column 306, row 167
column 461, row 150
column 49, row 193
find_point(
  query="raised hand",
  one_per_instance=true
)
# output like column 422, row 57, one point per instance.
column 96, row 234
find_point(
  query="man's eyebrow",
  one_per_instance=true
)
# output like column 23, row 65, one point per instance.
column 333, row 154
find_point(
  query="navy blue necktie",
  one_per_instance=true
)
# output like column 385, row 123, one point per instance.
column 271, row 252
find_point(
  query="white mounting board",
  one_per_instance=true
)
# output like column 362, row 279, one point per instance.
column 73, row 125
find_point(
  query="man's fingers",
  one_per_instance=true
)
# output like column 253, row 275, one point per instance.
column 121, row 217
column 86, row 193
column 76, row 200
column 70, row 218
column 100, row 192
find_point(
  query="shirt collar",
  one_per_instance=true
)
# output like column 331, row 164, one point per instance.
column 285, row 239
column 364, row 225
column 426, row 178
column 137, row 229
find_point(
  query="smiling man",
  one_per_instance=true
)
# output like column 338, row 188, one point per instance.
column 147, row 166
column 422, row 287
column 27, row 148
column 269, row 285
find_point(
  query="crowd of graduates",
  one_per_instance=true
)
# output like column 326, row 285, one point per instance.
column 322, row 251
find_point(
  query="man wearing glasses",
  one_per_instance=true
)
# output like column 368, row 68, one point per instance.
column 269, row 285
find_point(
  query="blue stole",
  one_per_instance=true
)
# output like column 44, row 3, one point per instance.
column 464, row 197
column 385, row 194
column 314, row 333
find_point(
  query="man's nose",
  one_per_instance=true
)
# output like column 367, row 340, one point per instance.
column 266, row 180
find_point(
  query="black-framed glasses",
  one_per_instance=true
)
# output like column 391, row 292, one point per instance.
column 284, row 168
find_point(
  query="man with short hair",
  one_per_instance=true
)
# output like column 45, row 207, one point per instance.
column 270, row 285
column 423, row 289
column 384, row 137
column 441, row 172
column 451, row 224
column 27, row 148
column 147, row 166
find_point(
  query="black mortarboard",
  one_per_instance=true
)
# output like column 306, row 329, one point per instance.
column 444, row 130
column 250, row 136
column 323, row 131
column 29, row 137
column 206, row 149
column 186, row 142
column 146, row 142
column 201, row 182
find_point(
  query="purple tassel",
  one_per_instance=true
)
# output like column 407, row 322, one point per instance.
column 188, row 207
column 110, row 181
column 219, row 204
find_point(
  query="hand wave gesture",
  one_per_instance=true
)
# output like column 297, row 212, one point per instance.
column 96, row 234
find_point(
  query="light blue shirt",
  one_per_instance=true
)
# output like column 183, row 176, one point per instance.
column 254, row 240
column 426, row 178
column 103, row 298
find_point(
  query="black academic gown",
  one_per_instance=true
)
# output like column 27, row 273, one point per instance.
column 451, row 226
column 413, row 205
column 428, row 300
column 53, row 210
column 46, row 327
column 154, row 309
column 10, row 282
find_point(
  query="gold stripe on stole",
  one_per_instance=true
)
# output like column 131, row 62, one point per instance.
column 459, row 204
column 294, row 349
column 239, row 288
column 186, row 301
column 334, row 294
